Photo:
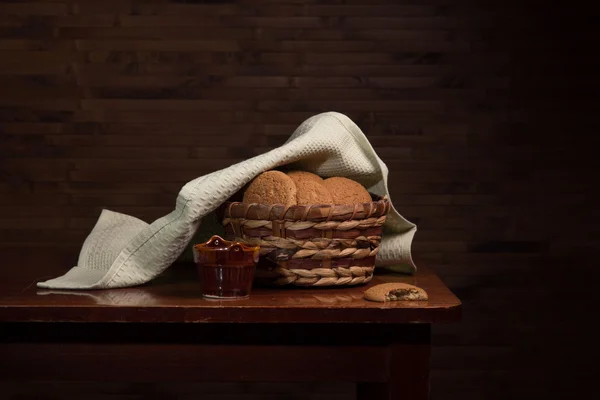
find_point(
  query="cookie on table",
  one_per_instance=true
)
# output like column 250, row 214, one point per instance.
column 395, row 291
column 271, row 187
column 346, row 191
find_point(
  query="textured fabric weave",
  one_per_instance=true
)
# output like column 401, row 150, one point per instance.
column 123, row 251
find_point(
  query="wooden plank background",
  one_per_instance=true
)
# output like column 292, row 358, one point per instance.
column 483, row 111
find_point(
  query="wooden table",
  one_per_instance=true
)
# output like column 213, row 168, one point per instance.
column 166, row 331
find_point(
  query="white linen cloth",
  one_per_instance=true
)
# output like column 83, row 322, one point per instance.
column 123, row 251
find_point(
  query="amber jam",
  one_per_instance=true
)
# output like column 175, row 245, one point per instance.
column 226, row 269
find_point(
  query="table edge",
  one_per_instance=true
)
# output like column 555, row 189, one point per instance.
column 109, row 314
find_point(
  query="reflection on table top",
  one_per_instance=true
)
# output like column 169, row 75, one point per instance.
column 175, row 297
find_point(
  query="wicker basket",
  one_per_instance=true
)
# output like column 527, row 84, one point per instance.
column 317, row 245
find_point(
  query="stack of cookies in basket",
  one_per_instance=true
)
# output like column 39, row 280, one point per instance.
column 303, row 188
column 311, row 231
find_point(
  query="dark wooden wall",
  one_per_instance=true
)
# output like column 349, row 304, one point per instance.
column 483, row 111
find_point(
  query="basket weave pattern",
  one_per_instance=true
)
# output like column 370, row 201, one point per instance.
column 318, row 245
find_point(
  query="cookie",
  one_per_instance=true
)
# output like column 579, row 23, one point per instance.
column 311, row 192
column 305, row 176
column 310, row 188
column 395, row 291
column 271, row 187
column 346, row 191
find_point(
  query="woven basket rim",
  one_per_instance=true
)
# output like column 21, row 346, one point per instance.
column 376, row 208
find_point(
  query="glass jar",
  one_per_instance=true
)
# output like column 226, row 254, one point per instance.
column 225, row 268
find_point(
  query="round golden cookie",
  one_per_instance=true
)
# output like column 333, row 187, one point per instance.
column 310, row 192
column 305, row 176
column 271, row 187
column 346, row 191
column 395, row 291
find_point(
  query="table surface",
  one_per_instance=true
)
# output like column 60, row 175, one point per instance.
column 175, row 297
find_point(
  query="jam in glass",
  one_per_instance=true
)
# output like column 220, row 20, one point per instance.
column 225, row 268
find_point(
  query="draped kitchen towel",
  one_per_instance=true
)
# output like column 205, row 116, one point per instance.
column 123, row 251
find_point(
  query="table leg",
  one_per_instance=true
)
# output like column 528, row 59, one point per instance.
column 408, row 377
